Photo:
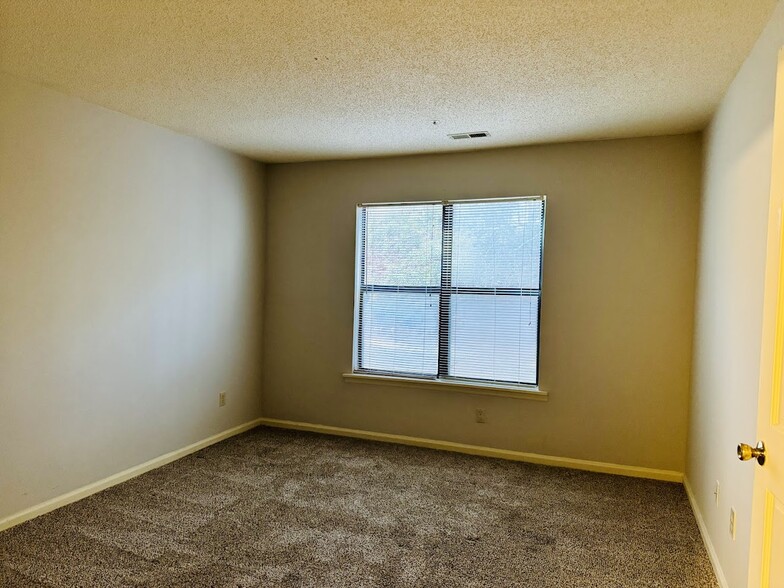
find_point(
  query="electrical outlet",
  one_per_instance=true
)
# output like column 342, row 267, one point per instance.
column 733, row 517
column 716, row 492
column 221, row 399
column 480, row 415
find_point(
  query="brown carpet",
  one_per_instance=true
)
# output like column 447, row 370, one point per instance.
column 275, row 508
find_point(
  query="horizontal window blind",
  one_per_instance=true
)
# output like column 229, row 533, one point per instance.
column 494, row 295
column 400, row 266
column 450, row 289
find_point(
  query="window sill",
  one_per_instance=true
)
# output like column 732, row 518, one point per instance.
column 466, row 387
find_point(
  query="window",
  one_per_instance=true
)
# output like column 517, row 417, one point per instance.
column 450, row 290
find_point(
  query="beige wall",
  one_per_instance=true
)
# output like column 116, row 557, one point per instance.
column 617, row 304
column 130, row 292
column 728, row 326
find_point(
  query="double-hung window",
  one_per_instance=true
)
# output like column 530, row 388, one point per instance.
column 450, row 290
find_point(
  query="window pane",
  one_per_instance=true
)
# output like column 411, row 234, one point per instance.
column 399, row 332
column 493, row 337
column 497, row 244
column 403, row 245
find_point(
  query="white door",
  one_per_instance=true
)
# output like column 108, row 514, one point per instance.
column 766, row 568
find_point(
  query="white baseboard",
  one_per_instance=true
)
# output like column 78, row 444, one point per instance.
column 580, row 464
column 565, row 462
column 714, row 558
column 84, row 491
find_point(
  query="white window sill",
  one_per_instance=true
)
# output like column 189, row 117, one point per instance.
column 466, row 387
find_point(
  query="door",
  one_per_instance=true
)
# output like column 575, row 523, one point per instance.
column 766, row 562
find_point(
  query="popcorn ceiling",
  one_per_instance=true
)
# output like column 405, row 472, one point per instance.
column 320, row 79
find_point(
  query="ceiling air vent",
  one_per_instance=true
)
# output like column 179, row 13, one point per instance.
column 473, row 135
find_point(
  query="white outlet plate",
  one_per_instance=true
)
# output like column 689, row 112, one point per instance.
column 222, row 399
column 717, row 491
column 480, row 415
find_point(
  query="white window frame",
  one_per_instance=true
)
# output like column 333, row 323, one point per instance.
column 442, row 379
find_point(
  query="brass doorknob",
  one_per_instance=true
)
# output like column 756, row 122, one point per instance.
column 747, row 452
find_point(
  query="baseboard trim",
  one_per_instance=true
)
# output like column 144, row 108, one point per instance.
column 132, row 472
column 564, row 462
column 712, row 555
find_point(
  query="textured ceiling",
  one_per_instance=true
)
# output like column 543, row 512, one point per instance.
column 292, row 80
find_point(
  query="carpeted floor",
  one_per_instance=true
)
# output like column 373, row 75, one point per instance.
column 274, row 508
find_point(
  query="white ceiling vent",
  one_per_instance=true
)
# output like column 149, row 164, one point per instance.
column 472, row 135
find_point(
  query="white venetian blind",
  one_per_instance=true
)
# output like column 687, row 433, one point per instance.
column 400, row 274
column 495, row 289
column 450, row 290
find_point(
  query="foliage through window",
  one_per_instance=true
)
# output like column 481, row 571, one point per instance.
column 450, row 290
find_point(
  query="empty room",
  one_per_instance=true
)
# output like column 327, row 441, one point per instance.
column 391, row 294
